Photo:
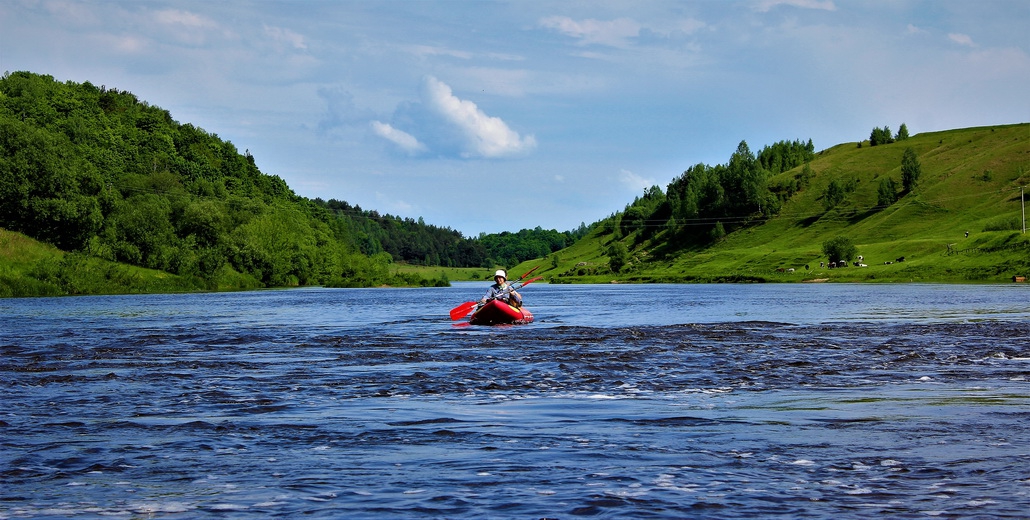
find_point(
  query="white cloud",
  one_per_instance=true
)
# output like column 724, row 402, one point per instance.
column 483, row 135
column 635, row 182
column 430, row 51
column 912, row 29
column 613, row 33
column 185, row 18
column 285, row 36
column 402, row 139
column 183, row 28
column 767, row 5
column 961, row 39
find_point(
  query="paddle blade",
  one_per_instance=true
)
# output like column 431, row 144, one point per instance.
column 529, row 272
column 531, row 280
column 462, row 310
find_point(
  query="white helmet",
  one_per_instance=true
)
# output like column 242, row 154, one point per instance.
column 501, row 273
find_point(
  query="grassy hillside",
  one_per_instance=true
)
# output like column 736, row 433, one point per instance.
column 970, row 182
column 31, row 268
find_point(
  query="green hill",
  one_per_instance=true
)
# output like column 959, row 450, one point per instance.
column 970, row 182
column 115, row 181
column 101, row 192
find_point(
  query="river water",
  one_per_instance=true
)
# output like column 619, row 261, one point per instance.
column 620, row 401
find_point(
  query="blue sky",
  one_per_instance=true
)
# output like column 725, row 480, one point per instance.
column 489, row 116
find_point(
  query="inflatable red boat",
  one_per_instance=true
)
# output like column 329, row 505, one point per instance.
column 497, row 312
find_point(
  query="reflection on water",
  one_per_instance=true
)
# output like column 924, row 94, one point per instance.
column 621, row 401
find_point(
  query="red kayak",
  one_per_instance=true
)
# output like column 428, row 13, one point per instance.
column 497, row 312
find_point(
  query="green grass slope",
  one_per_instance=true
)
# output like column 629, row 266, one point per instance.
column 31, row 268
column 970, row 182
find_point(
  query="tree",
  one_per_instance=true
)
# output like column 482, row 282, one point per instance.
column 910, row 169
column 718, row 232
column 887, row 193
column 834, row 194
column 902, row 133
column 881, row 136
column 618, row 256
column 839, row 249
column 744, row 182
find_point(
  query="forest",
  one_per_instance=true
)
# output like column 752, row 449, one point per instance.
column 97, row 171
column 705, row 202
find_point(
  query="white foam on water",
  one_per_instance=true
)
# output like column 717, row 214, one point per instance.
column 161, row 507
column 229, row 507
column 979, row 503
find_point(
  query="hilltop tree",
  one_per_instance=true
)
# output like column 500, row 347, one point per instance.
column 902, row 133
column 744, row 182
column 784, row 155
column 910, row 169
column 881, row 136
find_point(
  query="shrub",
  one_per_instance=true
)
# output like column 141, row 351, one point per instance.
column 839, row 248
column 887, row 193
column 910, row 169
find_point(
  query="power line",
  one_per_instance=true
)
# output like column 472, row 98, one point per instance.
column 841, row 213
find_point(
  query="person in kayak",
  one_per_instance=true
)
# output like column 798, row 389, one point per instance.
column 501, row 290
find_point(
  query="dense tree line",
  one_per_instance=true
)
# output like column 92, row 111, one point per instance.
column 706, row 202
column 98, row 171
column 413, row 241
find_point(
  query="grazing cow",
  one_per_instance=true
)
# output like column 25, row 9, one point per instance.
column 791, row 270
column 900, row 259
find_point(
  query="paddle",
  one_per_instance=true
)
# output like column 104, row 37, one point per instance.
column 464, row 309
column 527, row 274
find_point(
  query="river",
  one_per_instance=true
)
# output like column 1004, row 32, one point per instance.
column 620, row 401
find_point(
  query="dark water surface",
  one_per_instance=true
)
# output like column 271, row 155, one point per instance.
column 657, row 401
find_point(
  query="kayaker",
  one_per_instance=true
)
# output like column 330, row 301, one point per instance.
column 501, row 290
